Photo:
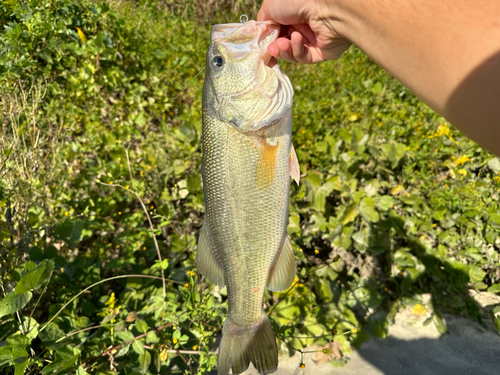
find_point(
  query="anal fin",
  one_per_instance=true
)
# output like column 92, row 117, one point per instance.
column 206, row 261
column 283, row 272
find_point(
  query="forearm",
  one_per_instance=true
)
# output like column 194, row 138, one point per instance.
column 446, row 52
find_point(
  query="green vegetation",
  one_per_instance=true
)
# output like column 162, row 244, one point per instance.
column 101, row 198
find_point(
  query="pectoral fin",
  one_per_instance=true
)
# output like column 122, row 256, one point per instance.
column 283, row 272
column 294, row 165
column 266, row 166
column 206, row 261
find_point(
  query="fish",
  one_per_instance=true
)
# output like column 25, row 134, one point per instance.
column 248, row 162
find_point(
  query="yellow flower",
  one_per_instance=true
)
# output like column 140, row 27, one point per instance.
column 316, row 251
column 186, row 285
column 66, row 213
column 355, row 330
column 195, row 347
column 164, row 355
column 126, row 187
column 81, row 35
column 443, row 129
column 175, row 341
column 418, row 309
column 111, row 302
column 462, row 171
column 462, row 160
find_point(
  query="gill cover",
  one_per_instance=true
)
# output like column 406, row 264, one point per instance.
column 243, row 90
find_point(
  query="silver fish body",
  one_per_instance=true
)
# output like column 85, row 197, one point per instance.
column 247, row 161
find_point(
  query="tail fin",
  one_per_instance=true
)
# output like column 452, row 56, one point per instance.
column 242, row 345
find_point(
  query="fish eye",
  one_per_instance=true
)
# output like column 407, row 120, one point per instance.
column 217, row 61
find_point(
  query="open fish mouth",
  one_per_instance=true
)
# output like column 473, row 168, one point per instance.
column 239, row 38
column 249, row 89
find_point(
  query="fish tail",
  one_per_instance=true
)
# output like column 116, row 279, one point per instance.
column 242, row 345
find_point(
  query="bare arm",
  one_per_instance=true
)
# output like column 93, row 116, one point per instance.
column 446, row 52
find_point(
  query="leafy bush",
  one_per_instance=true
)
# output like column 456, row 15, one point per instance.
column 102, row 200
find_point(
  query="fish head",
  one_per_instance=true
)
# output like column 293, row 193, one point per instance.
column 240, row 85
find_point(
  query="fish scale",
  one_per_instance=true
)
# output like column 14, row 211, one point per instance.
column 242, row 218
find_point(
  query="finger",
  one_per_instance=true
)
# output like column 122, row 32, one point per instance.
column 304, row 52
column 286, row 15
column 299, row 52
column 263, row 14
column 285, row 50
column 306, row 31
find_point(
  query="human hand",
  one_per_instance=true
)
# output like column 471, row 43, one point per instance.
column 308, row 32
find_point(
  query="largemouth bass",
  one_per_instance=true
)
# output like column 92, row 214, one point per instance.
column 248, row 159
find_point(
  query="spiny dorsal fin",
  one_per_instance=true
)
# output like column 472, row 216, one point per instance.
column 294, row 165
column 206, row 261
column 283, row 272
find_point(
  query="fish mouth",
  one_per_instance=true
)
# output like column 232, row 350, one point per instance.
column 259, row 102
column 239, row 38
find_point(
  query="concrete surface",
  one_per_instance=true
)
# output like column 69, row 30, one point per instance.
column 413, row 349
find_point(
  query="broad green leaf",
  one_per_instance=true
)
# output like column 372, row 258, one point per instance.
column 360, row 240
column 138, row 347
column 384, row 202
column 394, row 152
column 494, row 220
column 320, row 196
column 440, row 324
column 124, row 348
column 144, row 361
column 294, row 224
column 494, row 165
column 50, row 335
column 476, row 274
column 36, row 277
column 368, row 296
column 326, row 272
column 65, row 358
column 5, row 355
column 14, row 302
column 70, row 231
column 20, row 359
column 367, row 209
column 349, row 215
column 141, row 326
column 152, row 337
column 126, row 336
column 439, row 215
column 177, row 334
column 18, row 340
column 495, row 288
